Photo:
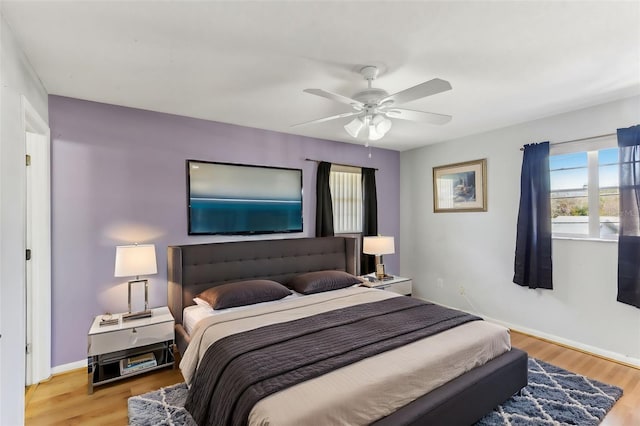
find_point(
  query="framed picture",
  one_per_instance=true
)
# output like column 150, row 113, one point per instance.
column 460, row 187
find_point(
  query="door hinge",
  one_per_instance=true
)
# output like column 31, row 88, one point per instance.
column 28, row 159
column 28, row 254
column 27, row 349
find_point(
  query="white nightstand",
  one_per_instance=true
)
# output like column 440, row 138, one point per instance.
column 110, row 344
column 398, row 285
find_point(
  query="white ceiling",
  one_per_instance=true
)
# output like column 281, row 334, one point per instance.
column 247, row 62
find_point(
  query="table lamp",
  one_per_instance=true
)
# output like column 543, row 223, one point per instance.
column 133, row 261
column 378, row 246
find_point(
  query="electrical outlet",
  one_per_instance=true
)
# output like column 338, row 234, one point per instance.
column 461, row 290
column 440, row 282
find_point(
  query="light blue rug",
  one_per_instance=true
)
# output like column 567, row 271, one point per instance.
column 553, row 397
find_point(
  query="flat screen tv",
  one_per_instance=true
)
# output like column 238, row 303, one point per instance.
column 229, row 198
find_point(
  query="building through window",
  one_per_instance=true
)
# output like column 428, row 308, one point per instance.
column 584, row 190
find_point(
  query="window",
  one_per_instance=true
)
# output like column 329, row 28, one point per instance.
column 346, row 194
column 584, row 190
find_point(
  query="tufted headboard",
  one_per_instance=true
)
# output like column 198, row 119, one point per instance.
column 194, row 268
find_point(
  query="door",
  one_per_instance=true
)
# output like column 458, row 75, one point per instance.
column 37, row 239
column 30, row 139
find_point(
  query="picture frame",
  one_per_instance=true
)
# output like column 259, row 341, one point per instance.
column 460, row 187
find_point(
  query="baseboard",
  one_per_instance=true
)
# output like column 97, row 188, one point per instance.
column 568, row 343
column 64, row 368
column 571, row 344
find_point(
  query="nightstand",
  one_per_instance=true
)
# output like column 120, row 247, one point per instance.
column 398, row 285
column 110, row 344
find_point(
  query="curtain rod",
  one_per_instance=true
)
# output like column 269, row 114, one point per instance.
column 581, row 139
column 338, row 164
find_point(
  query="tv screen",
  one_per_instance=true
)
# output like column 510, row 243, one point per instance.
column 241, row 199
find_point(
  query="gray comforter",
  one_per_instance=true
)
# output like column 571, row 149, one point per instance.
column 239, row 370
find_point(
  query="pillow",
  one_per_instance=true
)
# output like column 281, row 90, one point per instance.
column 202, row 303
column 318, row 281
column 243, row 293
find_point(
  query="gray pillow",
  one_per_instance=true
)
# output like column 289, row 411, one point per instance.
column 243, row 293
column 316, row 282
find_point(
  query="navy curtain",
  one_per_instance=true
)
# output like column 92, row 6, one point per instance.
column 370, row 216
column 324, row 205
column 532, row 266
column 629, row 239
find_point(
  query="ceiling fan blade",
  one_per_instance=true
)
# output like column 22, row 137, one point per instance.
column 426, row 117
column 335, row 97
column 333, row 117
column 422, row 90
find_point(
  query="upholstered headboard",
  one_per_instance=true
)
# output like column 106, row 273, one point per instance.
column 194, row 268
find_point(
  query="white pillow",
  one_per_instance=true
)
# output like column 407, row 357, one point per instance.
column 202, row 302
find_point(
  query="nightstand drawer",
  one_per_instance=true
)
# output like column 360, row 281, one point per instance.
column 113, row 341
column 402, row 287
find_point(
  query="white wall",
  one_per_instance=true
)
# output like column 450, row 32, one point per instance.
column 476, row 250
column 17, row 79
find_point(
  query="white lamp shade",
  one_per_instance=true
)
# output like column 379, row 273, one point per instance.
column 354, row 127
column 136, row 260
column 374, row 135
column 378, row 245
column 383, row 126
column 378, row 126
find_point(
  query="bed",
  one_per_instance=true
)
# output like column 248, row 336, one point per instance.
column 477, row 387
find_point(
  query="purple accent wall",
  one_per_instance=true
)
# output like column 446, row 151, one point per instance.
column 118, row 177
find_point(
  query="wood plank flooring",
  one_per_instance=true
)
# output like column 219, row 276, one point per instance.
column 63, row 400
column 626, row 412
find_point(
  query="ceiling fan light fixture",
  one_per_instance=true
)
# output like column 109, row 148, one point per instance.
column 354, row 127
column 375, row 129
column 374, row 135
column 374, row 108
column 382, row 123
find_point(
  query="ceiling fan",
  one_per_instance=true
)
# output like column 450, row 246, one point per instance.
column 374, row 107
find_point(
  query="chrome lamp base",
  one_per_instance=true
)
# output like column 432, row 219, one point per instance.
column 141, row 314
column 136, row 315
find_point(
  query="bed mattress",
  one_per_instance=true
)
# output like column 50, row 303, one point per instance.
column 361, row 392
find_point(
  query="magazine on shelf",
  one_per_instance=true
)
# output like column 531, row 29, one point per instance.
column 137, row 363
column 139, row 359
column 142, row 366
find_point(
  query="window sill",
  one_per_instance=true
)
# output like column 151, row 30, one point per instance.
column 598, row 240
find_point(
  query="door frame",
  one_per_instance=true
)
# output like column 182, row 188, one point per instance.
column 40, row 203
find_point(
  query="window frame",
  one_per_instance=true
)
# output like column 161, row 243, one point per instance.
column 591, row 147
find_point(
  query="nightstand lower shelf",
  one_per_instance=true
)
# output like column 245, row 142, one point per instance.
column 105, row 368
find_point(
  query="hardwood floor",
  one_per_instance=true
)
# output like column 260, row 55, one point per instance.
column 627, row 410
column 63, row 400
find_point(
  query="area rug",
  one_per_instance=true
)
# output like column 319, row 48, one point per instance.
column 553, row 397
